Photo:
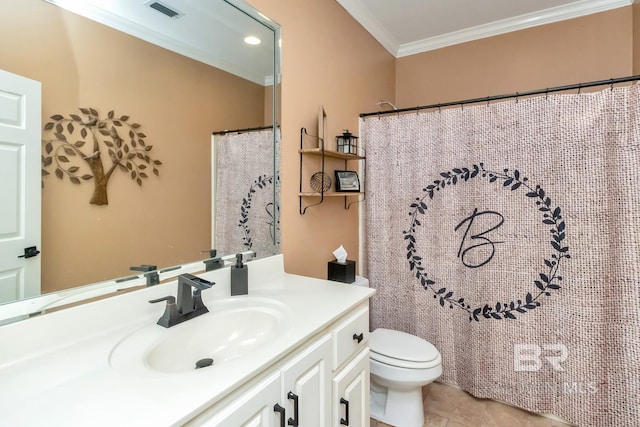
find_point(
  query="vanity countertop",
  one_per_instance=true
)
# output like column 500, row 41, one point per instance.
column 56, row 370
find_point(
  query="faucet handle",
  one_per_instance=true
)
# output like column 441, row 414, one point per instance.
column 212, row 252
column 214, row 262
column 170, row 316
column 144, row 267
column 169, row 299
column 153, row 278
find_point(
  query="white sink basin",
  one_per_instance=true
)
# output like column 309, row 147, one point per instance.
column 232, row 329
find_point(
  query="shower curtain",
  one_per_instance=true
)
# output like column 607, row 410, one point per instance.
column 508, row 235
column 245, row 207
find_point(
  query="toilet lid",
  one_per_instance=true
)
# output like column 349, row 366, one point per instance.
column 401, row 346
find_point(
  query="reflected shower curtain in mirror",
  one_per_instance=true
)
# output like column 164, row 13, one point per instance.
column 508, row 235
column 244, row 188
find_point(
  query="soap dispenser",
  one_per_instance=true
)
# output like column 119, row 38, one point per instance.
column 239, row 277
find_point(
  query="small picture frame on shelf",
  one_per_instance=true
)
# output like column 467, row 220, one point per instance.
column 347, row 181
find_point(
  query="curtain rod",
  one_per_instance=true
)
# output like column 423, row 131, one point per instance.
column 507, row 96
column 222, row 132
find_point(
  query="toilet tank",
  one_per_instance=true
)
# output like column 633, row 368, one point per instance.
column 361, row 281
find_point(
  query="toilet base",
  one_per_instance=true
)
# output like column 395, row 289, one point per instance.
column 403, row 408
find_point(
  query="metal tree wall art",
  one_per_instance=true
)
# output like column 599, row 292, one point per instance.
column 78, row 146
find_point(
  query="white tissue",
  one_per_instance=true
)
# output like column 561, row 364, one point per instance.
column 340, row 254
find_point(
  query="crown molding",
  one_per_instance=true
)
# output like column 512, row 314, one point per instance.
column 556, row 14
column 370, row 23
column 548, row 16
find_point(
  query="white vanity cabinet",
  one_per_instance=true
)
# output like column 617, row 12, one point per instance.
column 351, row 392
column 306, row 385
column 255, row 408
column 315, row 385
column 351, row 369
column 311, row 352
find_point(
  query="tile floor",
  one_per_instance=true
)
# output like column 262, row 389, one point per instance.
column 447, row 406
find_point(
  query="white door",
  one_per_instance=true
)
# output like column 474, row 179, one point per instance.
column 351, row 393
column 20, row 185
column 306, row 386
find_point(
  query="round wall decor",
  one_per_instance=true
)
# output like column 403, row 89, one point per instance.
column 320, row 182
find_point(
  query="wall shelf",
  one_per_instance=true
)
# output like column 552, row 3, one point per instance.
column 328, row 153
column 331, row 194
column 323, row 154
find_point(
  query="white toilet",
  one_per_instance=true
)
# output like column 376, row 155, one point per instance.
column 401, row 364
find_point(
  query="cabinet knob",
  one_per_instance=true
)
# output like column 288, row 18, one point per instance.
column 358, row 337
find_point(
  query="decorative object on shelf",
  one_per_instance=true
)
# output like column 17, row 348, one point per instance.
column 124, row 146
column 347, row 143
column 351, row 185
column 347, row 181
column 320, row 182
column 322, row 128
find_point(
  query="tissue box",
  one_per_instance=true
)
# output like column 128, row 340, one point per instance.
column 341, row 272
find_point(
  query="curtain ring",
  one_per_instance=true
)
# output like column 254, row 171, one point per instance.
column 611, row 85
column 378, row 115
column 546, row 94
column 488, row 99
column 579, row 88
column 517, row 94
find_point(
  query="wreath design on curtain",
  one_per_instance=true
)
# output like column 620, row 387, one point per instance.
column 261, row 183
column 544, row 282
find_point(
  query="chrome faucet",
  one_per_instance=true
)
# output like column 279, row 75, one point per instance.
column 189, row 301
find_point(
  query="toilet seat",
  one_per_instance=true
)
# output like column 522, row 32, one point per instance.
column 402, row 350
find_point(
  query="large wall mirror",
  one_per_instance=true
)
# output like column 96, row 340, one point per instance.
column 207, row 103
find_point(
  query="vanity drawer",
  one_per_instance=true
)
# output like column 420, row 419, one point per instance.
column 350, row 336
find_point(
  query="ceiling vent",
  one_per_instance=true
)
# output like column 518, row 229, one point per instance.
column 165, row 10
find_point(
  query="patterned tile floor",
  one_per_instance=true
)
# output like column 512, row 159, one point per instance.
column 447, row 406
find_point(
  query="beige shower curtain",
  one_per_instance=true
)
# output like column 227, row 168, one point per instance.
column 508, row 235
column 245, row 213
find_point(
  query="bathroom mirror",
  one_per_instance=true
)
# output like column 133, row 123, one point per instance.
column 181, row 71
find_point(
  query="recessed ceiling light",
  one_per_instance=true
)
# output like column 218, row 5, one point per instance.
column 252, row 40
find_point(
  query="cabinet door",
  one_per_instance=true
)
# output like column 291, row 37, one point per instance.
column 254, row 409
column 306, row 386
column 351, row 393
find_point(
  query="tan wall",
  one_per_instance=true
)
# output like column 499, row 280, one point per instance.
column 590, row 48
column 178, row 102
column 329, row 60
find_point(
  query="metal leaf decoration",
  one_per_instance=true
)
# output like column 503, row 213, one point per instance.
column 84, row 143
